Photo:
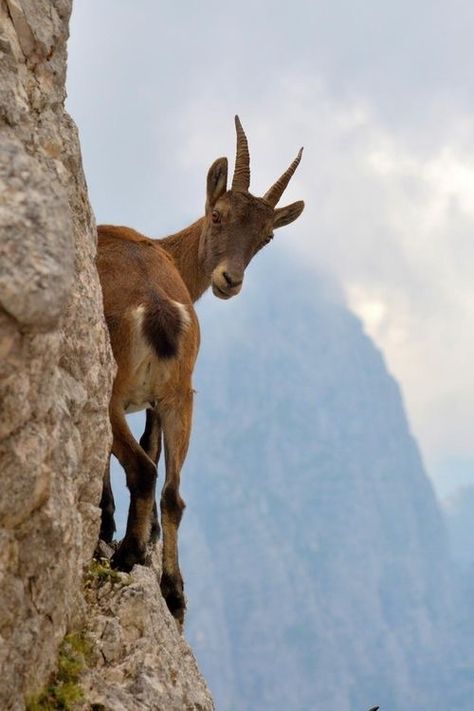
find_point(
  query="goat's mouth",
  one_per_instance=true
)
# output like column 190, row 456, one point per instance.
column 222, row 293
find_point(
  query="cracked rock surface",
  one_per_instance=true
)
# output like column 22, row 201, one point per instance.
column 142, row 661
column 55, row 361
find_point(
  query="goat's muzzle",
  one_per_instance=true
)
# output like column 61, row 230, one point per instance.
column 226, row 282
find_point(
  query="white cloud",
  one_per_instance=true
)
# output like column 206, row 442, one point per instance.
column 394, row 224
column 387, row 174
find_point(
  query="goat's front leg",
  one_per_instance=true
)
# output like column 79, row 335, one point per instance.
column 150, row 441
column 140, row 471
column 176, row 430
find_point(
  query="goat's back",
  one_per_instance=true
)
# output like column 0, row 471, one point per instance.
column 129, row 262
column 141, row 282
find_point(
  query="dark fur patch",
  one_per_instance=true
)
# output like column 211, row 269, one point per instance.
column 162, row 326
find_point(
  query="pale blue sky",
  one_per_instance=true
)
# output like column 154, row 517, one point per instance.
column 381, row 97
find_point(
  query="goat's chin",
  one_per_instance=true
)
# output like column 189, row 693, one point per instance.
column 220, row 293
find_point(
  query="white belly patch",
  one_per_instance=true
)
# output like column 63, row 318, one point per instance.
column 149, row 373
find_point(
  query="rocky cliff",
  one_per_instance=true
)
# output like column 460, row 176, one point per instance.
column 137, row 659
column 55, row 364
column 56, row 371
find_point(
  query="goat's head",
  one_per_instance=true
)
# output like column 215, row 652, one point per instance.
column 237, row 224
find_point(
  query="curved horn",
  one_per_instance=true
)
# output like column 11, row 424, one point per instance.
column 276, row 191
column 241, row 179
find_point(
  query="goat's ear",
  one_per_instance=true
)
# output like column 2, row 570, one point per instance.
column 216, row 182
column 284, row 215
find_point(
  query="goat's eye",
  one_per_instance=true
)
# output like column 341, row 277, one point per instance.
column 216, row 216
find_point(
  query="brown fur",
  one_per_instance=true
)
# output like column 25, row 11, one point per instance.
column 149, row 287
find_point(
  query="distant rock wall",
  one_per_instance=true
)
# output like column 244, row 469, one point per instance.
column 313, row 548
column 55, row 361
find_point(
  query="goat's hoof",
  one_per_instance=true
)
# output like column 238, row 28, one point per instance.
column 172, row 590
column 126, row 556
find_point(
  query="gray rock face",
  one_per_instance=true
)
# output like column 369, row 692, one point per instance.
column 143, row 662
column 55, row 360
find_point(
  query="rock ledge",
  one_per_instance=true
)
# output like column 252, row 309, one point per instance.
column 142, row 660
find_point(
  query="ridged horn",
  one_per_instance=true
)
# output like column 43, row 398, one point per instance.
column 273, row 195
column 241, row 179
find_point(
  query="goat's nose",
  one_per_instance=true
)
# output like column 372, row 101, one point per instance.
column 231, row 281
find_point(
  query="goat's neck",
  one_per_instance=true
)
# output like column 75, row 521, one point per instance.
column 183, row 247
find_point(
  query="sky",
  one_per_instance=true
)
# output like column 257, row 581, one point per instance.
column 379, row 94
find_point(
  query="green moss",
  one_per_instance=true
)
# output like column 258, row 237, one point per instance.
column 76, row 653
column 63, row 691
column 99, row 571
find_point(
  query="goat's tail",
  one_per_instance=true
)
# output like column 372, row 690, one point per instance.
column 164, row 322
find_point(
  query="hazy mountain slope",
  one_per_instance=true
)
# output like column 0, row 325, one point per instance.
column 459, row 512
column 314, row 552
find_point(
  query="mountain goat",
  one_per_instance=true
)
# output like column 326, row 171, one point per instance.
column 149, row 287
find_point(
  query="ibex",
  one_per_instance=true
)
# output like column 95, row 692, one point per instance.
column 149, row 287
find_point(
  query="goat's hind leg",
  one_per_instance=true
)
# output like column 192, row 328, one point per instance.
column 150, row 441
column 176, row 430
column 140, row 471
column 107, row 505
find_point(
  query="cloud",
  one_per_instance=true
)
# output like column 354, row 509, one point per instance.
column 393, row 224
column 379, row 96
